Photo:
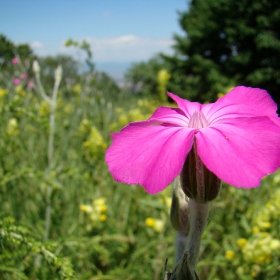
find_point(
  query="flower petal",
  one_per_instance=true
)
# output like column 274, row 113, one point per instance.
column 240, row 151
column 243, row 102
column 186, row 106
column 151, row 156
column 169, row 115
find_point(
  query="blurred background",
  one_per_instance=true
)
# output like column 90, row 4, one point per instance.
column 100, row 65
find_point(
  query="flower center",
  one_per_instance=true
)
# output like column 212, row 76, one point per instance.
column 198, row 120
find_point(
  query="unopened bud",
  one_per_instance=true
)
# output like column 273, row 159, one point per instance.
column 183, row 270
column 198, row 182
column 58, row 74
column 179, row 209
column 36, row 67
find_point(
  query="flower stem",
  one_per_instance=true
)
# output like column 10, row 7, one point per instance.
column 52, row 105
column 47, row 174
column 51, row 101
column 48, row 212
column 41, row 88
column 180, row 243
column 198, row 220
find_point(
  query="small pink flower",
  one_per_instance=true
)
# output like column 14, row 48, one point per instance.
column 24, row 76
column 30, row 84
column 16, row 81
column 237, row 138
column 15, row 60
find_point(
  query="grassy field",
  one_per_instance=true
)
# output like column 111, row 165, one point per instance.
column 63, row 217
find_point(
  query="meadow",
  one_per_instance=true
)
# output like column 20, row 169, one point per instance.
column 63, row 216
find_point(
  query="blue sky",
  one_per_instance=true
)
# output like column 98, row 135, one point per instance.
column 119, row 31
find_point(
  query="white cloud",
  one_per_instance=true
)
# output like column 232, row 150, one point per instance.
column 36, row 45
column 125, row 48
column 112, row 54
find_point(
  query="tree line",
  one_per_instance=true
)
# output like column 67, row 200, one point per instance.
column 225, row 43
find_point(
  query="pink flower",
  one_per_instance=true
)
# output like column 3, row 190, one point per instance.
column 237, row 138
column 16, row 81
column 24, row 76
column 15, row 60
column 30, row 84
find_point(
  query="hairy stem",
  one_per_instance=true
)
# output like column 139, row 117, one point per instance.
column 198, row 220
column 50, row 159
column 180, row 244
column 51, row 101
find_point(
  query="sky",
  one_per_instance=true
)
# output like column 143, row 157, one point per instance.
column 120, row 32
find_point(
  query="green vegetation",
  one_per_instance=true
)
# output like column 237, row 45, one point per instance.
column 100, row 229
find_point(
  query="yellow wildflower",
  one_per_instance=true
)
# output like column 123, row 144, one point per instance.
column 119, row 110
column 44, row 109
column 12, row 127
column 241, row 242
column 219, row 95
column 275, row 244
column 228, row 89
column 276, row 179
column 68, row 108
column 123, row 120
column 102, row 218
column 99, row 205
column 103, row 208
column 150, row 222
column 3, row 92
column 158, row 225
column 163, row 76
column 84, row 126
column 261, row 248
column 94, row 144
column 135, row 115
column 85, row 208
column 256, row 230
column 20, row 91
column 99, row 201
column 97, row 211
column 113, row 126
column 77, row 89
column 166, row 200
column 255, row 270
column 229, row 255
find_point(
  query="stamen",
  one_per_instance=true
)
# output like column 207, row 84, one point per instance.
column 198, row 120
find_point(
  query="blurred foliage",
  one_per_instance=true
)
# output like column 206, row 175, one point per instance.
column 142, row 77
column 8, row 51
column 19, row 251
column 85, row 46
column 89, row 235
column 74, row 75
column 70, row 66
column 162, row 78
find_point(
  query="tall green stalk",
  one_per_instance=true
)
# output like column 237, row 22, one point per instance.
column 52, row 102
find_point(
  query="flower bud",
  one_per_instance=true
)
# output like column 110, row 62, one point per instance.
column 58, row 74
column 184, row 270
column 179, row 209
column 36, row 67
column 198, row 182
